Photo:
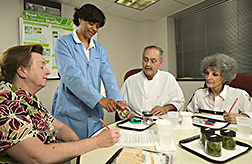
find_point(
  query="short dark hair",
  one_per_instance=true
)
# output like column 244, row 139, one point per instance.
column 91, row 13
column 14, row 57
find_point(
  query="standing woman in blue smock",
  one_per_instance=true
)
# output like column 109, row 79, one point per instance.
column 82, row 64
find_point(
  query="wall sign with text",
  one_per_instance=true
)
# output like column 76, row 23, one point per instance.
column 43, row 29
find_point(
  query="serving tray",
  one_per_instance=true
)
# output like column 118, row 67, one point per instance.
column 193, row 145
column 159, row 157
column 213, row 123
column 125, row 124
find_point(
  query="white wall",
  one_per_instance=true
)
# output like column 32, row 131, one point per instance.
column 124, row 41
column 121, row 39
column 10, row 11
column 188, row 88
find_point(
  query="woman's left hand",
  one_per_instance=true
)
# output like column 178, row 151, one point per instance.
column 231, row 117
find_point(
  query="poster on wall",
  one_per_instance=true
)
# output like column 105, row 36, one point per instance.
column 43, row 29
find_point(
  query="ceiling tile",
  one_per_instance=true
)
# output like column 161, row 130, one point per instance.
column 142, row 16
column 158, row 10
column 164, row 8
column 189, row 2
column 102, row 4
column 111, row 1
column 120, row 11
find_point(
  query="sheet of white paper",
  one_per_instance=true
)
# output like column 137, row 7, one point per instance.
column 135, row 138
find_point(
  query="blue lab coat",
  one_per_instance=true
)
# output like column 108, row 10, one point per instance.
column 79, row 89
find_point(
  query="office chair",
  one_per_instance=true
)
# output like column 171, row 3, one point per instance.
column 128, row 74
column 131, row 72
column 243, row 81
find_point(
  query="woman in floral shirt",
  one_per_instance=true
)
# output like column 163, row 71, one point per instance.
column 27, row 130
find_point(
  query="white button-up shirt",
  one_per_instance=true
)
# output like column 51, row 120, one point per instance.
column 91, row 44
column 142, row 94
column 202, row 99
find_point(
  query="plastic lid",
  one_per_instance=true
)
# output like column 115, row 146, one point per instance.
column 214, row 138
column 186, row 114
column 163, row 122
column 172, row 114
column 207, row 131
column 147, row 113
column 228, row 133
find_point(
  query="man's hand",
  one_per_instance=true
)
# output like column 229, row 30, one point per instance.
column 159, row 110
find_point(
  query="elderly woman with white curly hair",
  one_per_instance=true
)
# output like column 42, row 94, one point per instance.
column 217, row 97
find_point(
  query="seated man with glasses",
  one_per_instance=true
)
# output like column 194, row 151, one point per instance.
column 152, row 89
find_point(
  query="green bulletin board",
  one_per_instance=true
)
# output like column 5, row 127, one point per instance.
column 43, row 29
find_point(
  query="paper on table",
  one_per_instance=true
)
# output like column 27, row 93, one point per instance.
column 135, row 138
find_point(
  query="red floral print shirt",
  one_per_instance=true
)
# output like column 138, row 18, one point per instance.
column 22, row 116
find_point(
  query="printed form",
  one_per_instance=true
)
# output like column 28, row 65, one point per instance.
column 136, row 138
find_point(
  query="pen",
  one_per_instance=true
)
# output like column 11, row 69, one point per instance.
column 233, row 105
column 104, row 123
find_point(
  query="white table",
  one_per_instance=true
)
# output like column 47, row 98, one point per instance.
column 101, row 156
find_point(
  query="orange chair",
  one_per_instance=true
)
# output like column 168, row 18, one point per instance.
column 243, row 81
column 128, row 74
